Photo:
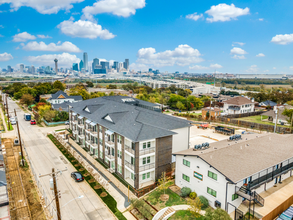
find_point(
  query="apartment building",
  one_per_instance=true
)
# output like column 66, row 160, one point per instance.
column 129, row 136
column 229, row 172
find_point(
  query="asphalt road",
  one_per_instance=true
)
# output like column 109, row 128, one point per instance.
column 78, row 200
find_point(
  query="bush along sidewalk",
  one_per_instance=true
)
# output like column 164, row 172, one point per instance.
column 102, row 193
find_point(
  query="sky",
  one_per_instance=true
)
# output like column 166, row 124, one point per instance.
column 186, row 36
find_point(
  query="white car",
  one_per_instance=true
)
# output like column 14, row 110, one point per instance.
column 12, row 119
column 13, row 122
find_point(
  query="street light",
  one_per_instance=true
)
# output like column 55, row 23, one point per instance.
column 81, row 196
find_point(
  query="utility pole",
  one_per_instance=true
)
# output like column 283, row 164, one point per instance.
column 275, row 128
column 19, row 138
column 56, row 195
column 7, row 112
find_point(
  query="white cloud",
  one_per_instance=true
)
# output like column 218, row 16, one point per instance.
column 252, row 69
column 238, row 53
column 183, row 55
column 43, row 36
column 5, row 57
column 138, row 67
column 65, row 47
column 84, row 29
column 123, row 8
column 42, row 6
column 260, row 19
column 224, row 12
column 274, row 68
column 212, row 66
column 260, row 55
column 282, row 39
column 291, row 67
column 216, row 66
column 64, row 59
column 194, row 16
column 239, row 43
column 23, row 37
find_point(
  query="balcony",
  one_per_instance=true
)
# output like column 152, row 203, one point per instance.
column 93, row 133
column 110, row 157
column 234, row 108
column 147, row 151
column 81, row 125
column 81, row 136
column 74, row 121
column 129, row 165
column 129, row 149
column 109, row 143
column 146, row 167
column 75, row 131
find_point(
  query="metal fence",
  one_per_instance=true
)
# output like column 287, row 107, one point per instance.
column 49, row 204
column 54, row 123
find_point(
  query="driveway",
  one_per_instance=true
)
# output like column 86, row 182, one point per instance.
column 78, row 200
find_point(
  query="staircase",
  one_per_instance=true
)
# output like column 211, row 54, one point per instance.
column 169, row 211
column 258, row 199
column 245, row 192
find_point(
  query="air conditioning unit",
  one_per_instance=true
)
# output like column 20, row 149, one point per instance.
column 16, row 142
column 217, row 204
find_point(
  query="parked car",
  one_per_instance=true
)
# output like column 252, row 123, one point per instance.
column 66, row 123
column 33, row 122
column 77, row 176
column 13, row 122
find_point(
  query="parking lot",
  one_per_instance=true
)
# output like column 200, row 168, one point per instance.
column 199, row 136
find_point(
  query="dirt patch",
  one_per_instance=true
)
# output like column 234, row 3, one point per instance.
column 175, row 189
column 103, row 194
column 98, row 187
column 164, row 197
column 86, row 174
column 82, row 169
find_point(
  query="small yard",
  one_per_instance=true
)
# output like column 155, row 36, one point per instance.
column 184, row 215
column 261, row 119
column 174, row 199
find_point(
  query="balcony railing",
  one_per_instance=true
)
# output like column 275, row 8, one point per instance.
column 236, row 108
column 129, row 149
column 128, row 164
column 109, row 143
column 110, row 157
column 147, row 167
column 147, row 151
column 74, row 131
column 74, row 121
column 94, row 133
column 81, row 125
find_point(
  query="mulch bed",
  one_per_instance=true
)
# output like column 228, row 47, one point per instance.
column 103, row 194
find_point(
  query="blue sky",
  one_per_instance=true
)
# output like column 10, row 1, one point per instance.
column 187, row 35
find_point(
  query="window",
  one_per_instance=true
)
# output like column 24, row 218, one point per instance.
column 234, row 196
column 146, row 176
column 149, row 144
column 119, row 139
column 213, row 175
column 186, row 178
column 146, row 160
column 132, row 160
column 212, row 192
column 186, row 162
column 119, row 154
column 144, row 146
column 132, row 176
column 101, row 141
column 119, row 168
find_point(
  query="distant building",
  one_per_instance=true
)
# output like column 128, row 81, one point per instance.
column 126, row 64
column 60, row 97
column 21, row 68
column 115, row 65
column 33, row 69
column 96, row 62
column 9, row 69
column 85, row 61
column 81, row 65
column 105, row 65
column 150, row 70
column 261, row 76
column 75, row 66
column 100, row 71
column 238, row 105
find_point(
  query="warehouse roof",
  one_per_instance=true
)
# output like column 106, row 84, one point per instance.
column 241, row 159
column 133, row 118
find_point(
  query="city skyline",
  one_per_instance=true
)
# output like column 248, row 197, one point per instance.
column 231, row 36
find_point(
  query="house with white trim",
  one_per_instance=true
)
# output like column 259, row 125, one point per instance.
column 60, row 97
column 238, row 105
column 229, row 172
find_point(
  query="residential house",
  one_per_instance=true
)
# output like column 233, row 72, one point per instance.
column 281, row 119
column 60, row 97
column 213, row 112
column 267, row 103
column 130, row 136
column 228, row 172
column 238, row 105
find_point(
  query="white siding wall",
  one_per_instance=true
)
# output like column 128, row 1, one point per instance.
column 180, row 140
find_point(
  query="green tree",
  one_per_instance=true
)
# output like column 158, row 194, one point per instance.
column 195, row 207
column 217, row 214
column 58, row 85
column 289, row 114
column 197, row 102
column 89, row 84
column 49, row 115
column 180, row 105
column 27, row 99
column 110, row 86
column 162, row 183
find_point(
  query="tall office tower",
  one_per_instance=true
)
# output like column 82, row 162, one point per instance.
column 81, row 65
column 85, row 61
column 96, row 62
column 105, row 65
column 9, row 69
column 56, row 65
column 115, row 65
column 120, row 66
column 75, row 66
column 33, row 69
column 21, row 67
column 126, row 64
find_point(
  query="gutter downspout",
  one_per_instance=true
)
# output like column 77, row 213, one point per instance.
column 226, row 196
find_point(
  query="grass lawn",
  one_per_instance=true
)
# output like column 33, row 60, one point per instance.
column 184, row 215
column 174, row 199
column 257, row 119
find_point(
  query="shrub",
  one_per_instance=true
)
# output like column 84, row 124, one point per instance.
column 192, row 195
column 185, row 191
column 204, row 201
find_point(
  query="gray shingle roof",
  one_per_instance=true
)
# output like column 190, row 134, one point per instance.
column 241, row 159
column 133, row 122
column 63, row 105
column 60, row 92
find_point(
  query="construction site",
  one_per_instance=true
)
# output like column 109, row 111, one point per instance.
column 24, row 202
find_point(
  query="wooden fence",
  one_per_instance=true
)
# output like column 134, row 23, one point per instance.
column 247, row 114
column 279, row 210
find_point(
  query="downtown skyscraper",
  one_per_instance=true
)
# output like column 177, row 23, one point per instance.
column 85, row 61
